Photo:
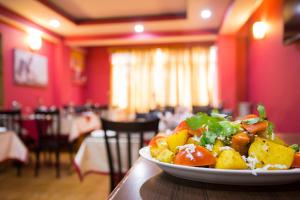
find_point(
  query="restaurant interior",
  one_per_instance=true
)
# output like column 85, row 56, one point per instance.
column 86, row 85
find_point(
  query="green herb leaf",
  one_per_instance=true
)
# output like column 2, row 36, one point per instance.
column 219, row 116
column 229, row 128
column 262, row 111
column 197, row 121
column 213, row 125
column 208, row 137
column 295, row 147
column 203, row 141
column 270, row 130
column 251, row 120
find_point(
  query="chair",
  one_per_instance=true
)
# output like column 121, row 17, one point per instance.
column 164, row 110
column 170, row 109
column 127, row 129
column 146, row 116
column 10, row 119
column 99, row 108
column 49, row 137
column 204, row 109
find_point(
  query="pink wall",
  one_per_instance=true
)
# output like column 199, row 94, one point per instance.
column 232, row 55
column 66, row 89
column 273, row 70
column 11, row 39
column 98, row 72
column 271, row 76
column 59, row 90
column 227, row 70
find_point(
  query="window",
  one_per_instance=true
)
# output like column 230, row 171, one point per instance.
column 146, row 78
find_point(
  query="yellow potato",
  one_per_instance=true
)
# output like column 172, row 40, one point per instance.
column 191, row 140
column 161, row 144
column 230, row 159
column 278, row 140
column 177, row 139
column 216, row 148
column 271, row 154
column 166, row 156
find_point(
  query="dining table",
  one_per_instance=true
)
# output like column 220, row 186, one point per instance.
column 145, row 180
column 71, row 126
column 91, row 158
column 12, row 148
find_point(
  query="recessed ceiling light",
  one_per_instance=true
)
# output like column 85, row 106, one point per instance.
column 54, row 23
column 139, row 28
column 205, row 14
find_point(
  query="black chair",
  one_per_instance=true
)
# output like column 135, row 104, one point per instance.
column 163, row 110
column 127, row 129
column 204, row 109
column 146, row 116
column 50, row 139
column 10, row 119
column 170, row 109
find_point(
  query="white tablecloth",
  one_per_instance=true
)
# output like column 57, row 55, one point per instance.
column 74, row 126
column 11, row 147
column 91, row 156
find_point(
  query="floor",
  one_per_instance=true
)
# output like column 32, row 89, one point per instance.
column 47, row 187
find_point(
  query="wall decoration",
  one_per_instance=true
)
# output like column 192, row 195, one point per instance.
column 77, row 63
column 30, row 68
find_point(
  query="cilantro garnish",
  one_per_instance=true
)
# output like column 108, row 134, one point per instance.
column 213, row 127
column 252, row 120
column 197, row 121
column 262, row 116
column 262, row 111
column 295, row 147
column 218, row 115
column 229, row 128
column 270, row 130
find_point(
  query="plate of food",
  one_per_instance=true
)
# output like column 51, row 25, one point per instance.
column 215, row 149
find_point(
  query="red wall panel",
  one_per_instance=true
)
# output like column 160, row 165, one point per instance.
column 98, row 73
column 273, row 70
column 60, row 88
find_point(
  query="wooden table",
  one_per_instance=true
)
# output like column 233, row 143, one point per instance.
column 145, row 180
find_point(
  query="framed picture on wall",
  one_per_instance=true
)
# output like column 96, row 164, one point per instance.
column 30, row 69
column 77, row 63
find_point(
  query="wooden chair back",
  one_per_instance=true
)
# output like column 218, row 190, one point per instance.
column 48, row 122
column 204, row 109
column 10, row 119
column 127, row 129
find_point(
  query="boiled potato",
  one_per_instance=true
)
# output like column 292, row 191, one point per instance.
column 216, row 149
column 278, row 140
column 271, row 154
column 158, row 145
column 166, row 156
column 230, row 159
column 177, row 139
column 194, row 141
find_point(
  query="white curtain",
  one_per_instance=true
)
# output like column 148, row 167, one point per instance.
column 156, row 77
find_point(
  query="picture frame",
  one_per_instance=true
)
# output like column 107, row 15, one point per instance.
column 30, row 69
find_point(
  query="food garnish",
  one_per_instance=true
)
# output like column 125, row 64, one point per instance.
column 216, row 141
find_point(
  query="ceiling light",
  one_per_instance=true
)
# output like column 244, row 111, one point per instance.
column 139, row 28
column 205, row 14
column 259, row 30
column 34, row 40
column 54, row 23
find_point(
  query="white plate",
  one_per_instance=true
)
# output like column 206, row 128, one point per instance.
column 228, row 177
